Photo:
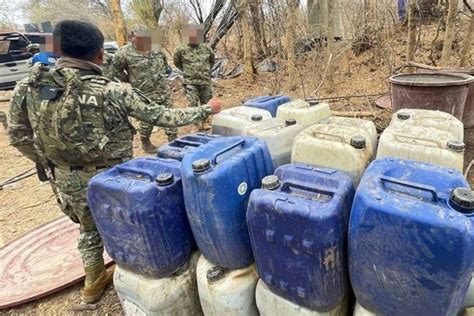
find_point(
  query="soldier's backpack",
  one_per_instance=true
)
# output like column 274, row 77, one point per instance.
column 75, row 127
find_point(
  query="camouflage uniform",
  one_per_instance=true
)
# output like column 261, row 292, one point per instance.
column 196, row 63
column 83, row 132
column 146, row 72
column 107, row 65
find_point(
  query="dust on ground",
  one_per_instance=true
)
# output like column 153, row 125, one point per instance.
column 29, row 203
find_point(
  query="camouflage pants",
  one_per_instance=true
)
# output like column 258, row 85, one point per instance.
column 198, row 94
column 72, row 190
column 145, row 129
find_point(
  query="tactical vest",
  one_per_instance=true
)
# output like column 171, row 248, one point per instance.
column 79, row 126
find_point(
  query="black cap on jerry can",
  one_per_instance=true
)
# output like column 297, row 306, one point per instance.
column 270, row 182
column 456, row 146
column 403, row 115
column 164, row 179
column 462, row 200
column 215, row 273
column 201, row 165
column 358, row 142
column 256, row 117
column 290, row 122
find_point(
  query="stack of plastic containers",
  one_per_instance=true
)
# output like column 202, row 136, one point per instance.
column 411, row 237
column 235, row 121
column 139, row 211
column 226, row 292
column 247, row 121
column 269, row 103
column 345, row 144
column 184, row 145
column 305, row 113
column 298, row 225
column 174, row 295
column 217, row 180
column 423, row 135
column 279, row 136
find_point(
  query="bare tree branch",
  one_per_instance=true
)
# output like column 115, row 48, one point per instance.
column 196, row 4
column 466, row 3
column 102, row 6
column 216, row 8
column 230, row 16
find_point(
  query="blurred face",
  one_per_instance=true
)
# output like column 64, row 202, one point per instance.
column 142, row 41
column 194, row 35
column 56, row 46
column 49, row 44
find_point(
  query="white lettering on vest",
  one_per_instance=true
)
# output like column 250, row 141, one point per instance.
column 88, row 99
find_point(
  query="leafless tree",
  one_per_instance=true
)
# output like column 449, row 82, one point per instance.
column 290, row 42
column 149, row 11
column 119, row 22
column 411, row 29
column 467, row 43
column 449, row 36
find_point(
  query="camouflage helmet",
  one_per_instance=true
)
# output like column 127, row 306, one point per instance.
column 33, row 48
column 138, row 29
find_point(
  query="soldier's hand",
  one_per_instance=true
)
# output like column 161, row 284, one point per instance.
column 215, row 104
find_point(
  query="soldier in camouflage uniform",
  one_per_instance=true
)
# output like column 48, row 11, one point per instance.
column 79, row 122
column 107, row 65
column 196, row 60
column 146, row 71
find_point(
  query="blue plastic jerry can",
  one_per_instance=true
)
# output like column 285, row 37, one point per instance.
column 298, row 226
column 218, row 178
column 180, row 147
column 138, row 208
column 411, row 239
column 269, row 103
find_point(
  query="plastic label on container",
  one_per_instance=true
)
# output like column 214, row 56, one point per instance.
column 242, row 189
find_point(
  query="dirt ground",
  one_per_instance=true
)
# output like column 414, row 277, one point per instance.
column 27, row 204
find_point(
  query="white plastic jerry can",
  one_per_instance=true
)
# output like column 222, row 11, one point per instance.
column 469, row 299
column 423, row 144
column 171, row 296
column 236, row 121
column 361, row 311
column 366, row 128
column 428, row 118
column 226, row 292
column 279, row 136
column 343, row 148
column 270, row 304
column 305, row 113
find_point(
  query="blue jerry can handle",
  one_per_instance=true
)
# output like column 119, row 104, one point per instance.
column 417, row 186
column 260, row 99
column 239, row 143
column 132, row 170
column 316, row 169
column 187, row 142
column 303, row 186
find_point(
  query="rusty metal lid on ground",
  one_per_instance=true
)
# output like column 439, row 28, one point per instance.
column 43, row 261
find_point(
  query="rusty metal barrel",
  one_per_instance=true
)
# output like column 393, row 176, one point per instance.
column 468, row 117
column 446, row 92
